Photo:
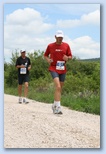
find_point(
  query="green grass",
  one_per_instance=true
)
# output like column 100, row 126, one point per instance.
column 88, row 105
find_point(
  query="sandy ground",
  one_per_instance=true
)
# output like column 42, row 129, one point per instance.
column 34, row 125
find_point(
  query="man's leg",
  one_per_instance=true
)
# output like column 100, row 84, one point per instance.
column 58, row 82
column 25, row 89
column 20, row 93
column 57, row 93
column 26, row 80
column 57, row 96
column 25, row 93
column 19, row 90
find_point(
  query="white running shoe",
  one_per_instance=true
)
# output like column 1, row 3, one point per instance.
column 25, row 101
column 53, row 108
column 20, row 100
column 56, row 109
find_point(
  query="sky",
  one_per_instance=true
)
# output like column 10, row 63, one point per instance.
column 33, row 26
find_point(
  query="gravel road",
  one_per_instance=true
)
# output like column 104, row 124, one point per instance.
column 34, row 125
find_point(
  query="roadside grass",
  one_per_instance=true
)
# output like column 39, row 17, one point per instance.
column 88, row 104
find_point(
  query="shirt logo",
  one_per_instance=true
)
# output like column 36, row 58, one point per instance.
column 58, row 50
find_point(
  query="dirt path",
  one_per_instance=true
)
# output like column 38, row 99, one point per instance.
column 35, row 126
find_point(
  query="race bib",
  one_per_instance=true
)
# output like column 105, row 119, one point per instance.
column 22, row 70
column 60, row 65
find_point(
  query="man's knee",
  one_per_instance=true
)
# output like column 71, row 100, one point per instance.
column 19, row 86
column 26, row 84
column 58, row 88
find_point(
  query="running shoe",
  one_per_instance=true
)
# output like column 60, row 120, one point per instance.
column 56, row 109
column 20, row 100
column 25, row 101
column 53, row 108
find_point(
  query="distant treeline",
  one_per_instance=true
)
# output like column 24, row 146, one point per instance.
column 91, row 59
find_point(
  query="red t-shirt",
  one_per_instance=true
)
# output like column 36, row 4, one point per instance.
column 56, row 53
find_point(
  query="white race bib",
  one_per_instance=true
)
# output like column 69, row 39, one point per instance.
column 22, row 70
column 60, row 65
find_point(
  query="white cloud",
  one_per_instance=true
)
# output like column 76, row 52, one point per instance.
column 24, row 29
column 27, row 15
column 24, row 22
column 84, row 47
column 68, row 23
column 27, row 28
column 92, row 18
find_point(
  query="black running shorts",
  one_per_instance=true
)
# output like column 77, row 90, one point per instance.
column 22, row 79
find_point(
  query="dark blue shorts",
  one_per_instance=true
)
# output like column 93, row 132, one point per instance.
column 22, row 79
column 60, row 76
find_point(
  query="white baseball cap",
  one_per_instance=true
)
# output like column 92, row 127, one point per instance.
column 22, row 50
column 59, row 33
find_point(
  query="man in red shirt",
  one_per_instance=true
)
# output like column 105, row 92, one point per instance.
column 57, row 54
